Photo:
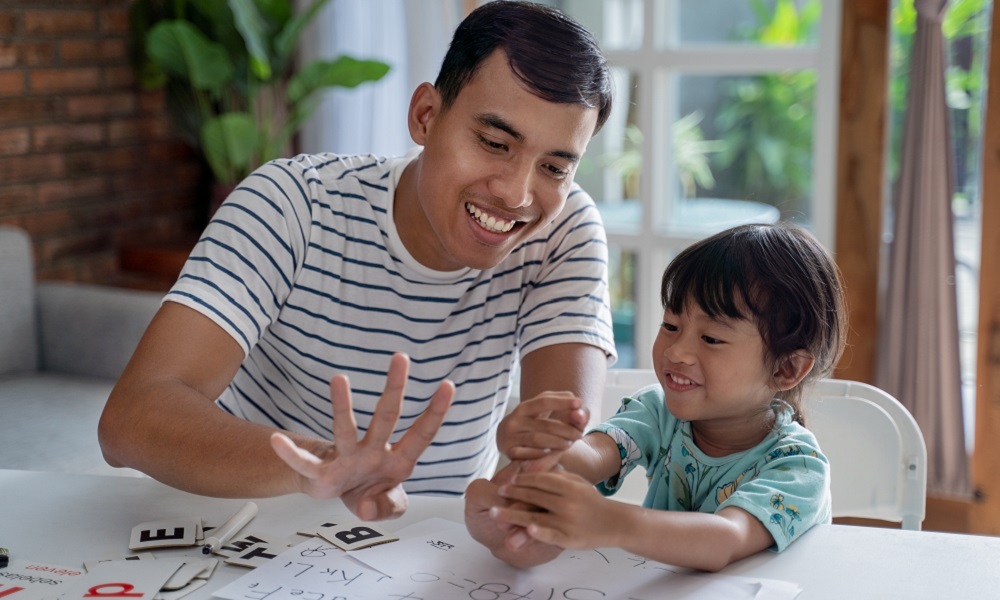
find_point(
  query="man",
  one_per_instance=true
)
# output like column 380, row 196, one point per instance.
column 324, row 280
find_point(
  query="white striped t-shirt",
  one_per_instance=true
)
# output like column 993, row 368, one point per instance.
column 303, row 266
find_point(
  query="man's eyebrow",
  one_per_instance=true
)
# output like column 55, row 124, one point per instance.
column 497, row 122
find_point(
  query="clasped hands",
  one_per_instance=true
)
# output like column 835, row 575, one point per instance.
column 533, row 508
column 367, row 474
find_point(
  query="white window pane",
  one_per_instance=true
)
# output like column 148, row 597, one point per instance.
column 771, row 23
column 747, row 138
column 612, row 166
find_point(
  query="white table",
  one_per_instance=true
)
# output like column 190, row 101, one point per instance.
column 65, row 519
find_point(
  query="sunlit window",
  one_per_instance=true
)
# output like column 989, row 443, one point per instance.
column 725, row 114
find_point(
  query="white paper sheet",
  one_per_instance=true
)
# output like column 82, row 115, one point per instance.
column 437, row 559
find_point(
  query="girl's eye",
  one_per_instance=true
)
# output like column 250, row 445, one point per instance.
column 668, row 327
column 711, row 340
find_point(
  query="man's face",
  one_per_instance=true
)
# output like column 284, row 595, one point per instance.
column 496, row 167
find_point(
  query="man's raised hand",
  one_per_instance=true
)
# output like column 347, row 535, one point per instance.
column 367, row 474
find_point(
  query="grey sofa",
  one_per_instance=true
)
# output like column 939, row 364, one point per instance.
column 62, row 346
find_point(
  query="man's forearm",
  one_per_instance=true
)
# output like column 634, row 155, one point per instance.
column 176, row 435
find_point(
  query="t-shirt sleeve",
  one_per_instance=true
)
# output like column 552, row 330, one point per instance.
column 789, row 494
column 567, row 299
column 241, row 271
column 635, row 428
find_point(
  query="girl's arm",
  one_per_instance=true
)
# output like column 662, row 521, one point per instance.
column 577, row 516
column 595, row 457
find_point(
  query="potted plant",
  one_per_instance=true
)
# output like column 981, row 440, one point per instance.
column 233, row 88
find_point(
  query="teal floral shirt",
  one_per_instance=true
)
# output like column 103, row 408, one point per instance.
column 784, row 481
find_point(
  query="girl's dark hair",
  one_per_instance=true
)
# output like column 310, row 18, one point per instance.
column 783, row 277
column 553, row 55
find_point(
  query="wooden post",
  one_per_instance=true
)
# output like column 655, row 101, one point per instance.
column 860, row 175
column 986, row 456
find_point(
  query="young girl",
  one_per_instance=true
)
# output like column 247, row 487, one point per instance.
column 750, row 315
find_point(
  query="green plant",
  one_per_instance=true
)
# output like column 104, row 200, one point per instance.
column 233, row 87
column 766, row 121
column 690, row 155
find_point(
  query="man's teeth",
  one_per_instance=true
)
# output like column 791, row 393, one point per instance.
column 488, row 222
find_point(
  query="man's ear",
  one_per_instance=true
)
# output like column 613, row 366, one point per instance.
column 793, row 369
column 424, row 106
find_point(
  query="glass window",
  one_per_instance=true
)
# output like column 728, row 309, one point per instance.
column 763, row 22
column 725, row 113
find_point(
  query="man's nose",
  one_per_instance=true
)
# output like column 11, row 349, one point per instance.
column 512, row 184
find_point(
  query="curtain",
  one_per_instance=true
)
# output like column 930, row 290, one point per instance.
column 410, row 35
column 918, row 358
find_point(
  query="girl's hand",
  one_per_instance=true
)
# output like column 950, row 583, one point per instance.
column 576, row 515
column 549, row 422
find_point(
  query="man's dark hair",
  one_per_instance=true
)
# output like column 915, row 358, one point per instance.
column 553, row 55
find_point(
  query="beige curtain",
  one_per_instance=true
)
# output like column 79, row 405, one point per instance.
column 918, row 355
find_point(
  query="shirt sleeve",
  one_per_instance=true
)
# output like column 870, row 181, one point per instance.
column 566, row 299
column 635, row 428
column 789, row 494
column 243, row 267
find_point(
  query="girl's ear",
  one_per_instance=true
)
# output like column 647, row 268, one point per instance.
column 793, row 369
column 424, row 106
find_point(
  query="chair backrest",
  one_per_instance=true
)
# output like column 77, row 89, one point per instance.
column 878, row 461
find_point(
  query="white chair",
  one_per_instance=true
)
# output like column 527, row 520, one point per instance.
column 878, row 461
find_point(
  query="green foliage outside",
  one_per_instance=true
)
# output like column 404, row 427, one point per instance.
column 233, row 87
column 966, row 27
column 766, row 122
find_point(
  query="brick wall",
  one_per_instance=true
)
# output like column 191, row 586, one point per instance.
column 88, row 162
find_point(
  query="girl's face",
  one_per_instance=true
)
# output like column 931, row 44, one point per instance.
column 712, row 370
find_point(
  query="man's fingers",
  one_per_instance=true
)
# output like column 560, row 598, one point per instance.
column 345, row 428
column 390, row 504
column 301, row 461
column 549, row 402
column 421, row 434
column 390, row 403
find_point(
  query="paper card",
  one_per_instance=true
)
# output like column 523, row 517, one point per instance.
column 90, row 564
column 324, row 525
column 163, row 534
column 184, row 591
column 354, row 536
column 313, row 570
column 32, row 580
column 208, row 568
column 237, row 545
column 192, row 568
column 127, row 579
column 255, row 555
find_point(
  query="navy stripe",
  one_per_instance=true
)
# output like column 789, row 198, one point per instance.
column 225, row 295
column 217, row 313
column 257, row 245
column 246, row 261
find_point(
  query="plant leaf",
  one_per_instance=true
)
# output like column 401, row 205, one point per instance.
column 344, row 72
column 252, row 27
column 180, row 49
column 229, row 142
column 284, row 43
